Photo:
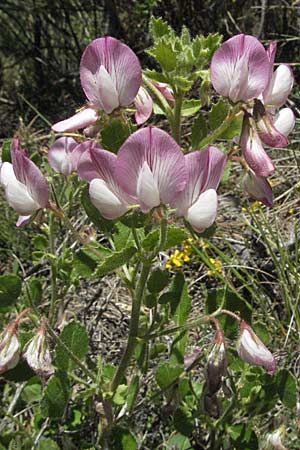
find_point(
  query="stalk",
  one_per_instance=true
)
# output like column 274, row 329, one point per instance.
column 134, row 326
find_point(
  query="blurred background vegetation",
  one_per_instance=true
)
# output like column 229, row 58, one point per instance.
column 41, row 42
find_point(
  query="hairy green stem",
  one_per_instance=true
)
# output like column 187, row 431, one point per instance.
column 51, row 316
column 176, row 119
column 133, row 327
column 210, row 138
column 160, row 99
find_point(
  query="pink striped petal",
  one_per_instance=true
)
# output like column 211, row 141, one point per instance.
column 144, row 105
column 202, row 213
column 240, row 68
column 164, row 159
column 28, row 174
column 121, row 64
column 279, row 87
column 284, row 121
column 60, row 155
column 205, row 169
column 271, row 52
column 254, row 152
column 86, row 117
column 258, row 188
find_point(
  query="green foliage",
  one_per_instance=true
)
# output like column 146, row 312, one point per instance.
column 287, row 388
column 180, row 57
column 114, row 134
column 56, row 396
column 75, row 337
column 5, row 155
column 199, row 131
column 175, row 236
column 10, row 289
column 158, row 280
column 122, row 439
column 114, row 261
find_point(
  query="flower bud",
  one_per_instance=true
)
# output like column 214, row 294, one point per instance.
column 252, row 350
column 216, row 364
column 9, row 348
column 38, row 355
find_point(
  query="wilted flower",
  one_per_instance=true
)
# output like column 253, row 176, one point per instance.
column 10, row 348
column 110, row 75
column 38, row 356
column 252, row 350
column 258, row 188
column 253, row 150
column 240, row 68
column 274, row 439
column 26, row 189
column 198, row 202
column 216, row 364
column 64, row 154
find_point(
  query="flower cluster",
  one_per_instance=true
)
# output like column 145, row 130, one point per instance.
column 179, row 257
column 242, row 70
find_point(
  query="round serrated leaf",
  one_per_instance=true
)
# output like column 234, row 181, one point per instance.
column 75, row 337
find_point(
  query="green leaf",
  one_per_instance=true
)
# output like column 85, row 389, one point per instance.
column 123, row 237
column 234, row 128
column 166, row 374
column 199, row 131
column 5, row 155
column 287, row 388
column 75, row 337
column 56, row 396
column 243, row 437
column 165, row 55
column 262, row 332
column 179, row 442
column 47, row 444
column 226, row 172
column 114, row 134
column 183, row 422
column 10, row 289
column 32, row 393
column 150, row 300
column 40, row 242
column 122, row 439
column 181, row 303
column 114, row 261
column 175, row 236
column 119, row 396
column 132, row 392
column 158, row 280
column 159, row 28
column 190, row 107
column 218, row 114
column 134, row 219
column 85, row 262
column 36, row 290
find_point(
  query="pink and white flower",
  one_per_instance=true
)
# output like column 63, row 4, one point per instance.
column 97, row 166
column 252, row 350
column 144, row 106
column 26, row 189
column 198, row 202
column 240, row 68
column 110, row 75
column 151, row 168
column 64, row 154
